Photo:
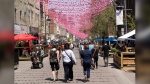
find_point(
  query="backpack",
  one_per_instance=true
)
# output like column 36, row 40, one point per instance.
column 53, row 56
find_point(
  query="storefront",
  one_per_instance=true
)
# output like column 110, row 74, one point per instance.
column 34, row 30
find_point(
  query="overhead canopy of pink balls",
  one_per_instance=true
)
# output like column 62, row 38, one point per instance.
column 75, row 15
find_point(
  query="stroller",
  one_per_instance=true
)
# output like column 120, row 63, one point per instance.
column 36, row 61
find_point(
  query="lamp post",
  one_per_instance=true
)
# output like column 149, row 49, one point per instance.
column 46, row 20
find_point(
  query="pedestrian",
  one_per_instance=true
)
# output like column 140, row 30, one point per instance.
column 95, row 52
column 59, row 48
column 81, row 48
column 124, row 48
column 53, row 55
column 62, row 46
column 71, row 46
column 42, row 56
column 106, row 49
column 67, row 57
column 86, row 59
column 91, row 46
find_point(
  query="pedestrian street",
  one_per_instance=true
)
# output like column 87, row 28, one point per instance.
column 103, row 75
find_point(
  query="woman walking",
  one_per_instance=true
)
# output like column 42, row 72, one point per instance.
column 54, row 62
column 86, row 59
column 95, row 51
column 67, row 57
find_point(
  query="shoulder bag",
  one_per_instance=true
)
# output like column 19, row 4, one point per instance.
column 72, row 61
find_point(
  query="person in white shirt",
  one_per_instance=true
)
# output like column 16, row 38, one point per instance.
column 67, row 55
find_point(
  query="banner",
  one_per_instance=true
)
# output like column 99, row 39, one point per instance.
column 119, row 17
column 21, row 29
column 122, row 31
column 17, row 29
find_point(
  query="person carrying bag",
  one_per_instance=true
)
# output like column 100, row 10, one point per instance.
column 93, row 65
column 69, row 60
column 72, row 61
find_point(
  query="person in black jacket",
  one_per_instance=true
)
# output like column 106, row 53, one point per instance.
column 106, row 49
column 95, row 52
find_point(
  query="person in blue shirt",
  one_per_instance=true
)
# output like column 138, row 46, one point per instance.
column 86, row 59
column 91, row 46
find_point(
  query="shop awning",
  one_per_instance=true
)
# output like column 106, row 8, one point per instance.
column 126, row 36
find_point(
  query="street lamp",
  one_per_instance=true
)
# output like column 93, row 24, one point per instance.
column 46, row 20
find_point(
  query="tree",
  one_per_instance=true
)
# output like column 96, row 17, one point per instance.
column 104, row 23
column 131, row 21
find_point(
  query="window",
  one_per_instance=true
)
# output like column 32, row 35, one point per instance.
column 20, row 14
column 28, row 15
column 31, row 17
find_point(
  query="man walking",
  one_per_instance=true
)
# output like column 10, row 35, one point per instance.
column 106, row 49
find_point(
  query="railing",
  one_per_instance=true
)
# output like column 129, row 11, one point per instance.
column 45, row 48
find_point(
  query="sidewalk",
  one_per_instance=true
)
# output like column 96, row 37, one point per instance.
column 102, row 75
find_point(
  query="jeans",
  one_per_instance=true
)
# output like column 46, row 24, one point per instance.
column 86, row 68
column 68, row 70
column 41, row 59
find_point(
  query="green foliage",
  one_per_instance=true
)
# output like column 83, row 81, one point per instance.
column 115, row 50
column 131, row 21
column 104, row 21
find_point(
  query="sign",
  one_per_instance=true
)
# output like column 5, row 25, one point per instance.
column 119, row 17
column 122, row 31
column 67, row 35
column 17, row 29
column 21, row 29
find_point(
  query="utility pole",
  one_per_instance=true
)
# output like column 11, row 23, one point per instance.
column 125, row 13
column 45, row 29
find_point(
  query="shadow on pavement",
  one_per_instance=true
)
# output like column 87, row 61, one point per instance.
column 102, row 65
column 113, row 65
column 82, row 80
column 61, row 80
column 50, row 79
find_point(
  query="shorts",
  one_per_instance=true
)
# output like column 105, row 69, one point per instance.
column 54, row 66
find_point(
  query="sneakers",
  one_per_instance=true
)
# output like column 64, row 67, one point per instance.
column 66, row 81
column 70, row 79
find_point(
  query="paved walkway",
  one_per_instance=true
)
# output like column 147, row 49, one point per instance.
column 103, row 75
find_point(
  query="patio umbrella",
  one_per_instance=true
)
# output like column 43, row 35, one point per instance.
column 24, row 37
column 99, row 39
column 111, row 39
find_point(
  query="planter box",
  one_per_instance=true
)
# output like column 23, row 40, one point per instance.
column 125, row 61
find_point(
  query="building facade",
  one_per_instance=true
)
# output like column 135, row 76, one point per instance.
column 27, row 16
